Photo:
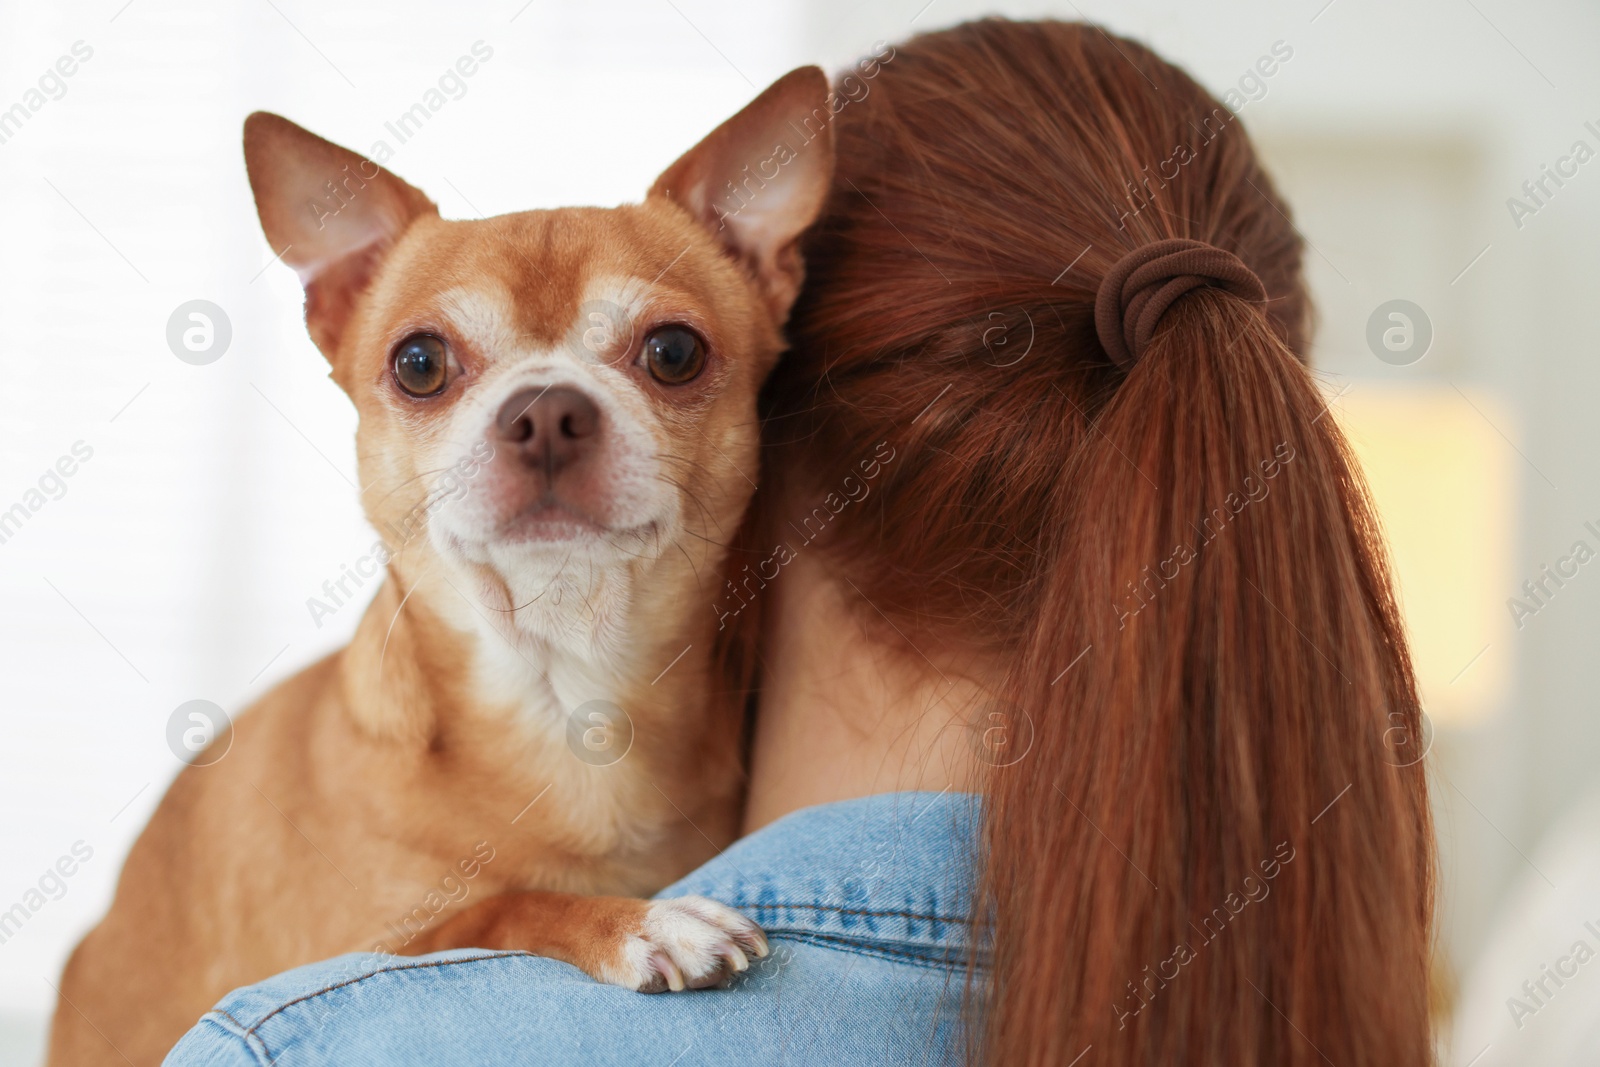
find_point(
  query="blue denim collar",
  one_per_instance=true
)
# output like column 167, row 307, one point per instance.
column 891, row 874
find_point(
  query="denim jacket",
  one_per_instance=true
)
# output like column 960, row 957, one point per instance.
column 865, row 905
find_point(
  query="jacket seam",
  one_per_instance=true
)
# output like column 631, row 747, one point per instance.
column 230, row 1018
column 758, row 905
column 302, row 998
column 880, row 951
column 257, row 1048
column 263, row 1052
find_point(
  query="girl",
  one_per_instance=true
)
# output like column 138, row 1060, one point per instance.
column 1052, row 513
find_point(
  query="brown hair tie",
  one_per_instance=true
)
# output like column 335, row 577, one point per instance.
column 1144, row 283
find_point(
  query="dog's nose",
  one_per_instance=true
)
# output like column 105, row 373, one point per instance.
column 550, row 426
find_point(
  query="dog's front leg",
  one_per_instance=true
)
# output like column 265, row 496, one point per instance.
column 644, row 945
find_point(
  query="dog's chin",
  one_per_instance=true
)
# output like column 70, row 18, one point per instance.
column 532, row 546
column 553, row 525
column 556, row 534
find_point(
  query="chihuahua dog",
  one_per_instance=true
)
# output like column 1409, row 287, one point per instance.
column 557, row 438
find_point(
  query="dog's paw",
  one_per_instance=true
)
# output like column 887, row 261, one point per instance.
column 685, row 943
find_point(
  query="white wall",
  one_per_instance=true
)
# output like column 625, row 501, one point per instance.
column 219, row 498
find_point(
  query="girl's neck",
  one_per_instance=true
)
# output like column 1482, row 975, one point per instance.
column 850, row 708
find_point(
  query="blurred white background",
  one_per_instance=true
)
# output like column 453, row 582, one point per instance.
column 175, row 563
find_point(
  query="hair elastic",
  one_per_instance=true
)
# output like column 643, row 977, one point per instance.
column 1137, row 291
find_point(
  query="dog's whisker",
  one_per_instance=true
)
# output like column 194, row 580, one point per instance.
column 382, row 653
column 692, row 497
column 686, row 558
column 405, row 482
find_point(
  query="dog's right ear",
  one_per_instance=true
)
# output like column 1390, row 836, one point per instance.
column 760, row 179
column 329, row 213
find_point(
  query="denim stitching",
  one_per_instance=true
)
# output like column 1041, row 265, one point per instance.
column 257, row 1048
column 264, row 1054
column 758, row 906
column 876, row 950
column 372, row 974
column 230, row 1018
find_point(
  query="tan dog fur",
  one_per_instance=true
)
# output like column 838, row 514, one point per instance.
column 351, row 789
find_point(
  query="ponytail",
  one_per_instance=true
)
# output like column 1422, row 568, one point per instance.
column 1206, row 849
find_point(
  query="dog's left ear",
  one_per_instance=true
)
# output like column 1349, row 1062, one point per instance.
column 331, row 214
column 758, row 180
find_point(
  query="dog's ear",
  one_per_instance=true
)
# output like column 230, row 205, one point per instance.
column 761, row 178
column 329, row 213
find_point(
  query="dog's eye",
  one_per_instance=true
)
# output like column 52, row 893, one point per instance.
column 421, row 364
column 674, row 354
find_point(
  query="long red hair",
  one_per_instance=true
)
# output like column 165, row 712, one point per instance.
column 1210, row 852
